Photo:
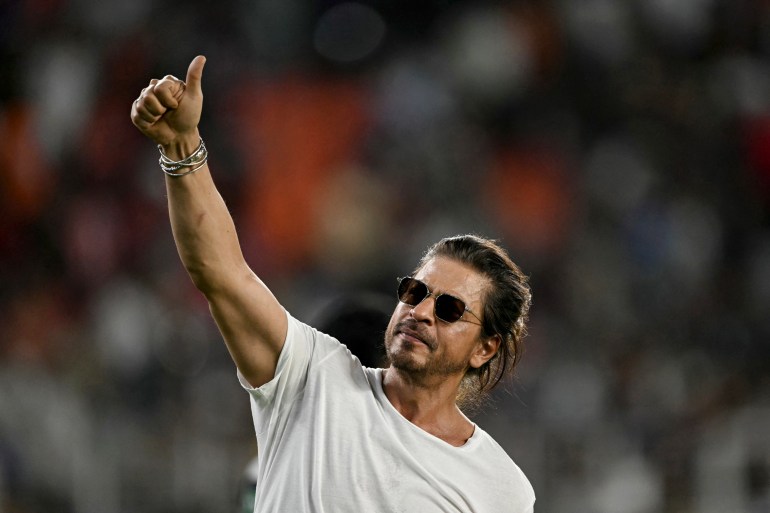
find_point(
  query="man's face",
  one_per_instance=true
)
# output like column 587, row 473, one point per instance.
column 423, row 345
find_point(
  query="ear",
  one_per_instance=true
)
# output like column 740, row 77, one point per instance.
column 485, row 350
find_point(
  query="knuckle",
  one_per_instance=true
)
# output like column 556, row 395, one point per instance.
column 161, row 89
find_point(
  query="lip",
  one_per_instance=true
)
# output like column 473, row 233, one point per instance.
column 413, row 336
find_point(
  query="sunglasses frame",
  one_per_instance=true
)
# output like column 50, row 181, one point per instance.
column 435, row 302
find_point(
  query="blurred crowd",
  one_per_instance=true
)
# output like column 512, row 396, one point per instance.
column 620, row 150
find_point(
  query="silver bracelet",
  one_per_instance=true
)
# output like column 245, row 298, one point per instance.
column 195, row 161
column 188, row 172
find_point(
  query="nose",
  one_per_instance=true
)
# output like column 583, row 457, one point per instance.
column 423, row 311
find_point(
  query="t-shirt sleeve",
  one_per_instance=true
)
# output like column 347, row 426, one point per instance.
column 303, row 346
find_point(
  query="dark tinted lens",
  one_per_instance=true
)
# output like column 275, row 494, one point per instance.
column 411, row 291
column 449, row 308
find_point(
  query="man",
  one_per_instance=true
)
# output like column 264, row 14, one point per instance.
column 333, row 435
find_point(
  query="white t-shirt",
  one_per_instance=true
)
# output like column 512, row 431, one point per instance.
column 330, row 441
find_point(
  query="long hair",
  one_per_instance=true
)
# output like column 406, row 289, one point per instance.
column 506, row 307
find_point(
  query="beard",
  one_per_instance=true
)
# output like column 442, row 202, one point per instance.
column 403, row 358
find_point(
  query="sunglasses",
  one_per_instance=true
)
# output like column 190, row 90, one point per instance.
column 412, row 292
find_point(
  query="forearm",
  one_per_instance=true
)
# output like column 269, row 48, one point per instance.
column 203, row 229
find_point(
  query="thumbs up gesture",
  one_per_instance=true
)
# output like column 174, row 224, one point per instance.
column 168, row 110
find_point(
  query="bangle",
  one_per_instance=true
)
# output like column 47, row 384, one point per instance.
column 194, row 161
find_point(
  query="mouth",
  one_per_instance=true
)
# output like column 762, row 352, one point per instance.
column 413, row 336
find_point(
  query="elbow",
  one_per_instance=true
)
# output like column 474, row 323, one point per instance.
column 203, row 276
column 200, row 279
column 210, row 278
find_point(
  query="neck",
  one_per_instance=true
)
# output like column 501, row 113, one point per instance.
column 429, row 403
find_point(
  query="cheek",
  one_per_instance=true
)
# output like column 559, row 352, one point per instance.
column 391, row 326
column 461, row 345
column 400, row 313
column 393, row 319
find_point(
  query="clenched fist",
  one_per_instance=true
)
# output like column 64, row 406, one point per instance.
column 168, row 110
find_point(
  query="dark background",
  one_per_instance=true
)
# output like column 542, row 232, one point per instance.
column 619, row 149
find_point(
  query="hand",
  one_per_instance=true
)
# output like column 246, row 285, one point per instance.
column 168, row 110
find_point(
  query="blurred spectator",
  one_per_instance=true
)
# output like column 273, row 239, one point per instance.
column 621, row 150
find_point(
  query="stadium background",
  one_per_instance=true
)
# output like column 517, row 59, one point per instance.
column 619, row 149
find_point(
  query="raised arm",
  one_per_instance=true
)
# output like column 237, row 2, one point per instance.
column 250, row 318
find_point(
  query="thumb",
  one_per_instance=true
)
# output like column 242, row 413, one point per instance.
column 195, row 73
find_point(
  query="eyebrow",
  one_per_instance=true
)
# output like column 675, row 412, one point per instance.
column 432, row 290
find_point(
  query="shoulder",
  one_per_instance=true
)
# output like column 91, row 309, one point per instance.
column 322, row 353
column 498, row 458
column 303, row 338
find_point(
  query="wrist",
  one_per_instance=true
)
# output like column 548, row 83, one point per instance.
column 183, row 146
column 176, row 168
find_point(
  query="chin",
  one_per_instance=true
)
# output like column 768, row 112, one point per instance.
column 403, row 359
column 407, row 365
